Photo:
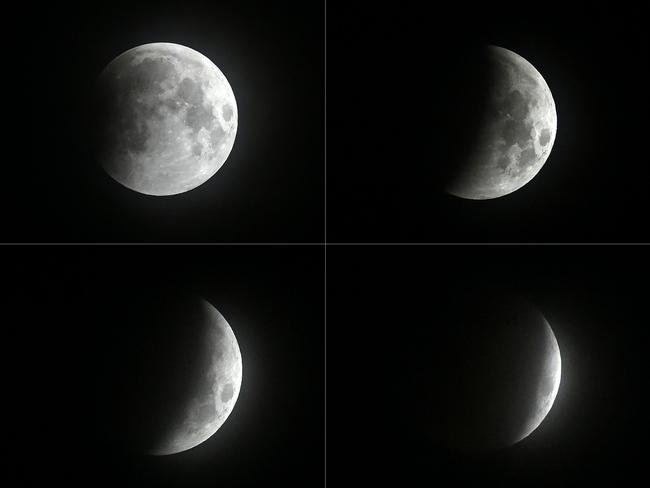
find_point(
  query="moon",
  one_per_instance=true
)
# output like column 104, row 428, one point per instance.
column 517, row 134
column 499, row 371
column 549, row 382
column 167, row 119
column 217, row 385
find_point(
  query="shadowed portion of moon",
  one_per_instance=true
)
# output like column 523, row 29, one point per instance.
column 496, row 369
column 516, row 134
column 166, row 121
column 175, row 374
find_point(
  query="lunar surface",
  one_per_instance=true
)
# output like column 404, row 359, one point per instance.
column 167, row 120
column 216, row 387
column 517, row 134
column 497, row 371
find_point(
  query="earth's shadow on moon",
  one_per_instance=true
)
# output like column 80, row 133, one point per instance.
column 478, row 389
column 153, row 363
column 462, row 99
column 448, row 101
column 460, row 104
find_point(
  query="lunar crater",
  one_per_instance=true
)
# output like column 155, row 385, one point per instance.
column 227, row 392
column 545, row 137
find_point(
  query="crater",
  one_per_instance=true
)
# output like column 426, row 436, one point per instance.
column 190, row 91
column 545, row 137
column 227, row 112
column 503, row 162
column 217, row 355
column 546, row 385
column 134, row 134
column 227, row 392
column 516, row 105
column 197, row 117
column 527, row 157
column 173, row 104
column 216, row 136
column 516, row 132
column 207, row 411
column 146, row 76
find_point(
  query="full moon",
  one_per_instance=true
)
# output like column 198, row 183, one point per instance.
column 518, row 131
column 499, row 372
column 167, row 120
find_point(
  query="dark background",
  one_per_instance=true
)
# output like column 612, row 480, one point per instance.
column 384, row 324
column 269, row 190
column 55, row 303
column 405, row 95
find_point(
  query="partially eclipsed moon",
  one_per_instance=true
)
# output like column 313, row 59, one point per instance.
column 168, row 119
column 548, row 383
column 216, row 392
column 518, row 131
column 499, row 370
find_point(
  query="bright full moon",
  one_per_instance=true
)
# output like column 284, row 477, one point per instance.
column 168, row 119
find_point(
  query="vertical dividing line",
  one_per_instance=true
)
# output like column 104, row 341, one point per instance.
column 325, row 242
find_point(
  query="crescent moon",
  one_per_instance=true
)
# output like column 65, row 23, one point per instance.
column 500, row 369
column 518, row 131
column 549, row 383
column 219, row 387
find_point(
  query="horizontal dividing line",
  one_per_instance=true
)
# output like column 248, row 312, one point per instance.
column 324, row 244
column 397, row 244
column 276, row 244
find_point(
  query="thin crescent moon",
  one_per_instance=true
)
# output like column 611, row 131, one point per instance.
column 549, row 383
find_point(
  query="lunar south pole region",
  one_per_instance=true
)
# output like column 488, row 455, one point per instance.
column 517, row 133
column 167, row 119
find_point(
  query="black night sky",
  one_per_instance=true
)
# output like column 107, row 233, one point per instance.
column 389, row 304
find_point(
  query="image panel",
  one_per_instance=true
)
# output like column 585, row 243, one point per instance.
column 486, row 124
column 167, row 122
column 485, row 365
column 165, row 365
